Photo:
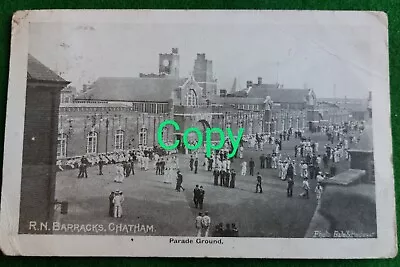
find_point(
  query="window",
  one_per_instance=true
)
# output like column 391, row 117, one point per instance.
column 91, row 143
column 164, row 134
column 143, row 136
column 62, row 145
column 119, row 140
column 191, row 98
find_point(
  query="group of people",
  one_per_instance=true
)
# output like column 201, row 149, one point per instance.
column 203, row 224
column 230, row 230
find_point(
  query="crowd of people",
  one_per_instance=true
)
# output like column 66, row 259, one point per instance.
column 310, row 161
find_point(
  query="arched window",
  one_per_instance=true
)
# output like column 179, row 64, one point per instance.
column 143, row 136
column 119, row 140
column 91, row 143
column 164, row 134
column 191, row 98
column 62, row 145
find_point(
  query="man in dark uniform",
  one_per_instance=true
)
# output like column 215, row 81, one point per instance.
column 290, row 187
column 127, row 168
column 84, row 164
column 259, row 180
column 201, row 197
column 269, row 161
column 158, row 167
column 262, row 161
column 179, row 181
column 210, row 162
column 111, row 204
column 162, row 166
column 233, row 177
column 191, row 161
column 251, row 166
column 196, row 164
column 216, row 174
column 221, row 177
column 196, row 196
column 290, row 171
column 101, row 164
column 226, row 181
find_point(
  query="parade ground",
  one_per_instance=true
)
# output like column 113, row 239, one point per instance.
column 152, row 207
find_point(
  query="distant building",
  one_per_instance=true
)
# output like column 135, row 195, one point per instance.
column 357, row 108
column 203, row 74
column 292, row 108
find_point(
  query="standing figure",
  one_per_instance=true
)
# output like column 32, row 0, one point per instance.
column 290, row 187
column 101, row 164
column 196, row 164
column 262, row 161
column 259, row 180
column 251, row 166
column 201, row 197
column 216, row 174
column 198, row 224
column 306, row 187
column 244, row 168
column 111, row 204
column 191, row 161
column 227, row 176
column 318, row 192
column 221, row 177
column 196, row 196
column 158, row 167
column 205, row 224
column 233, row 177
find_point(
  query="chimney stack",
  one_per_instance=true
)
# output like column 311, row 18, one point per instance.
column 259, row 80
column 84, row 88
column 249, row 84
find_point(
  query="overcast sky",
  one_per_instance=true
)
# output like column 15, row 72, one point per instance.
column 314, row 55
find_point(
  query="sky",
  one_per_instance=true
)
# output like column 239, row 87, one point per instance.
column 332, row 60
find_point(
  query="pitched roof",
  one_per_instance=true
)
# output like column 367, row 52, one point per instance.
column 277, row 95
column 37, row 71
column 132, row 89
column 236, row 100
column 280, row 95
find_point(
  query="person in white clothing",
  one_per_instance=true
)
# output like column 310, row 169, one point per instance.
column 117, row 201
column 206, row 223
column 198, row 224
column 241, row 152
column 244, row 168
column 318, row 192
column 156, row 157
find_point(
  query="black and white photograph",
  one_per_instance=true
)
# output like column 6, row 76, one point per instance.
column 199, row 129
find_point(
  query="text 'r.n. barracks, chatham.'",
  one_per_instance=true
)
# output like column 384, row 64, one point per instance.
column 115, row 228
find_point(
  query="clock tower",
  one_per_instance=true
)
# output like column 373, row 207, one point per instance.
column 169, row 64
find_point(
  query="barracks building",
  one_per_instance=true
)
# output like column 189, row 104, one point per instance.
column 115, row 113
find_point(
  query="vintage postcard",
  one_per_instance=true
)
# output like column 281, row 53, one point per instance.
column 155, row 133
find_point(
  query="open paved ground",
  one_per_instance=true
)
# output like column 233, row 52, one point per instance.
column 151, row 202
